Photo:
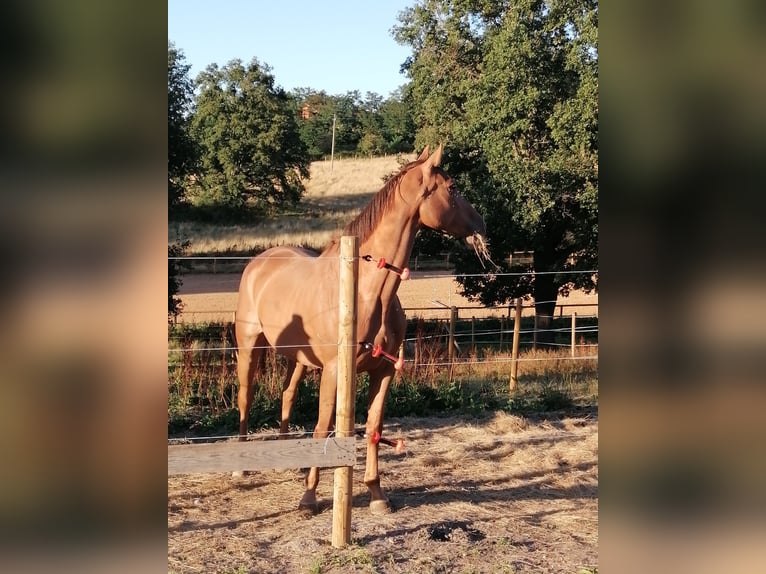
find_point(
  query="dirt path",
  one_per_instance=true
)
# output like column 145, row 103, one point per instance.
column 503, row 494
column 213, row 297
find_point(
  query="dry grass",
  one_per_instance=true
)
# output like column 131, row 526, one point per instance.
column 499, row 494
column 332, row 199
column 542, row 362
column 351, row 177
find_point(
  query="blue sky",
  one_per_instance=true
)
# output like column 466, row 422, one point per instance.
column 331, row 45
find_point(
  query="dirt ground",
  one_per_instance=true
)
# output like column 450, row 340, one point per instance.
column 213, row 297
column 500, row 494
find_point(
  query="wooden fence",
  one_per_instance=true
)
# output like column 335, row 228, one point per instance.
column 337, row 451
column 261, row 455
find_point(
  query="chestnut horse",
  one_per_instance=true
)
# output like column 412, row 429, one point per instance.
column 288, row 300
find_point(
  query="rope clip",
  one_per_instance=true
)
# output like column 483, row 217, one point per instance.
column 377, row 351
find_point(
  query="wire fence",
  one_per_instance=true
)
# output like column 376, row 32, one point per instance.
column 452, row 341
column 236, row 263
column 497, row 332
column 494, row 334
column 438, row 311
column 430, row 342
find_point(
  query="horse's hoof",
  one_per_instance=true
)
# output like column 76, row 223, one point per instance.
column 308, row 509
column 380, row 507
column 308, row 506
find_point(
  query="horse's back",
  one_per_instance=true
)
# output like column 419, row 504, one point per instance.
column 263, row 269
column 282, row 293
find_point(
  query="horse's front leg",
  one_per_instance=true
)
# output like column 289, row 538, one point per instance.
column 295, row 372
column 380, row 380
column 393, row 323
column 327, row 390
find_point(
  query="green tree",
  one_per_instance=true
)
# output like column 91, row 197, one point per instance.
column 348, row 129
column 370, row 125
column 317, row 110
column 371, row 141
column 248, row 133
column 182, row 151
column 175, row 305
column 315, row 124
column 512, row 87
column 397, row 122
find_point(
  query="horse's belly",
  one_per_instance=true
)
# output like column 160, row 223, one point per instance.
column 299, row 325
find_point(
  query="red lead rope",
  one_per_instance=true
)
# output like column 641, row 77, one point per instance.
column 398, row 444
column 382, row 264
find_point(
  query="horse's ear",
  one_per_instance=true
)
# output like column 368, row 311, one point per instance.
column 437, row 157
column 424, row 154
column 432, row 162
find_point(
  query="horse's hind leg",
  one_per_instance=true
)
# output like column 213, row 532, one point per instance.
column 295, row 372
column 249, row 358
column 250, row 346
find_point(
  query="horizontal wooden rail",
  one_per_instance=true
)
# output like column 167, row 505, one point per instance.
column 261, row 455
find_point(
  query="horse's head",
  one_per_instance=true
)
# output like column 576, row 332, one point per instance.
column 440, row 205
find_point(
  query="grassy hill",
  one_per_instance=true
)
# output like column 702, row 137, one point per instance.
column 332, row 199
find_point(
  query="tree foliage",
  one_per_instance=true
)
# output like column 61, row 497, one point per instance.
column 182, row 151
column 175, row 305
column 315, row 125
column 236, row 140
column 251, row 149
column 397, row 122
column 366, row 125
column 512, row 87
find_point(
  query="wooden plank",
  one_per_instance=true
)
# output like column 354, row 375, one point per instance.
column 261, row 455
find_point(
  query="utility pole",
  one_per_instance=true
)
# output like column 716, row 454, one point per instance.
column 332, row 149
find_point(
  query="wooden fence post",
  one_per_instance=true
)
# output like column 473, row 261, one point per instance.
column 515, row 352
column 346, row 391
column 473, row 338
column 451, row 342
column 574, row 331
column 416, row 358
column 224, row 358
column 452, row 321
column 502, row 328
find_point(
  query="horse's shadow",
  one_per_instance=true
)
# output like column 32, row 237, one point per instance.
column 294, row 334
column 535, row 486
column 189, row 525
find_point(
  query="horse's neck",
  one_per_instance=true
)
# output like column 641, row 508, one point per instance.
column 392, row 241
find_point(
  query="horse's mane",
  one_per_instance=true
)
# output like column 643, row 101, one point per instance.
column 365, row 223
